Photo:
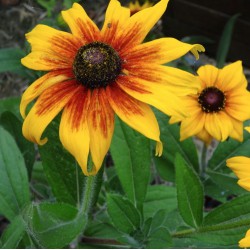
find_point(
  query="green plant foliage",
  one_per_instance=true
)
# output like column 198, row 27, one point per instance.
column 131, row 154
column 225, row 41
column 123, row 214
column 11, row 105
column 11, row 58
column 63, row 174
column 225, row 225
column 53, row 225
column 14, row 126
column 170, row 136
column 159, row 197
column 229, row 149
column 14, row 184
column 13, row 234
column 189, row 193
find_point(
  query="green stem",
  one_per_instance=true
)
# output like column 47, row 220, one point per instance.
column 203, row 160
column 87, row 195
column 183, row 233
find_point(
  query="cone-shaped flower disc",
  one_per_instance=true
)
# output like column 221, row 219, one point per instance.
column 220, row 107
column 95, row 74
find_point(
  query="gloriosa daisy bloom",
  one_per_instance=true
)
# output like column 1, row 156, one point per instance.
column 95, row 74
column 220, row 107
column 135, row 6
column 241, row 167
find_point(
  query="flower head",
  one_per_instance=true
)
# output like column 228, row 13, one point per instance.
column 95, row 74
column 220, row 107
column 241, row 167
column 135, row 6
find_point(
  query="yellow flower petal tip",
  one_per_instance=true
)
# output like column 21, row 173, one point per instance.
column 247, row 129
column 197, row 48
column 245, row 242
column 93, row 74
column 220, row 107
column 158, row 149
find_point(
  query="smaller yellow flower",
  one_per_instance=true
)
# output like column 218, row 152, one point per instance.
column 220, row 107
column 245, row 242
column 240, row 165
column 136, row 6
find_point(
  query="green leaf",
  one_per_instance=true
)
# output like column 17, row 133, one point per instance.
column 225, row 41
column 54, row 225
column 159, row 197
column 13, row 234
column 159, row 239
column 229, row 149
column 227, row 182
column 14, row 184
column 170, row 135
column 12, row 60
column 123, row 214
column 189, row 193
column 13, row 125
column 224, row 226
column 10, row 104
column 131, row 154
column 63, row 174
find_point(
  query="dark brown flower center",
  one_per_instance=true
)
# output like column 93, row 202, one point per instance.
column 212, row 99
column 96, row 65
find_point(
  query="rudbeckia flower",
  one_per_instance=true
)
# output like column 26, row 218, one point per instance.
column 241, row 167
column 136, row 6
column 220, row 107
column 95, row 74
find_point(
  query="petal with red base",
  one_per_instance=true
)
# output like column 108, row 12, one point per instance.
column 136, row 114
column 80, row 24
column 160, row 51
column 74, row 131
column 41, row 84
column 101, row 127
column 48, row 105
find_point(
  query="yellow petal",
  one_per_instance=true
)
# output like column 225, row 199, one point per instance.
column 245, row 183
column 48, row 105
column 175, row 80
column 237, row 132
column 212, row 126
column 224, row 123
column 205, row 137
column 136, row 114
column 192, row 125
column 74, row 131
column 238, row 105
column 231, row 77
column 245, row 242
column 41, row 84
column 208, row 75
column 51, row 49
column 101, row 127
column 138, row 26
column 240, row 166
column 154, row 94
column 160, row 51
column 116, row 16
column 247, row 129
column 80, row 24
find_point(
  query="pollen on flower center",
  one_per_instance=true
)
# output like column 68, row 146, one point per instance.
column 96, row 65
column 212, row 99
